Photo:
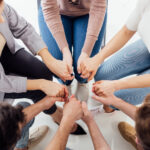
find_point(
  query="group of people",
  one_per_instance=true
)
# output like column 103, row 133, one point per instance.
column 72, row 32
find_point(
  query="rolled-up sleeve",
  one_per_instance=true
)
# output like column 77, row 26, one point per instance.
column 23, row 30
column 12, row 84
column 135, row 17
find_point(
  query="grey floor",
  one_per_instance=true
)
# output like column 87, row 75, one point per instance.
column 118, row 11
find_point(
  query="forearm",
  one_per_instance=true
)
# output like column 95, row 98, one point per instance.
column 125, row 107
column 59, row 141
column 141, row 81
column 97, row 137
column 31, row 111
column 117, row 42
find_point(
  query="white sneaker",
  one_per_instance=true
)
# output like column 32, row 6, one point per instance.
column 36, row 135
column 82, row 91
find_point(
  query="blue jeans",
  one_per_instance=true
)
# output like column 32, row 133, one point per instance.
column 133, row 59
column 75, row 30
column 23, row 142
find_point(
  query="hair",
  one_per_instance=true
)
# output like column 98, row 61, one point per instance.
column 143, row 124
column 10, row 117
column 1, row 1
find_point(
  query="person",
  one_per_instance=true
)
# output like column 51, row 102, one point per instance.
column 70, row 115
column 19, row 117
column 22, row 74
column 141, row 116
column 130, row 60
column 73, row 30
column 15, row 122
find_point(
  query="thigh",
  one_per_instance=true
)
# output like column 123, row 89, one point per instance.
column 134, row 96
column 130, row 60
column 48, row 37
column 24, row 64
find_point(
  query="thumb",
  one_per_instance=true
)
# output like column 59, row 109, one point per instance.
column 91, row 76
column 70, row 69
column 79, row 68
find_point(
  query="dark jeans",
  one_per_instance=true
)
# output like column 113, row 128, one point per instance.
column 22, row 63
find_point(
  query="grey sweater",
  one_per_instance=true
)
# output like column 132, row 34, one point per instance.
column 17, row 27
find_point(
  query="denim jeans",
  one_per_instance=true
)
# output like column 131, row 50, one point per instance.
column 23, row 142
column 131, row 60
column 75, row 30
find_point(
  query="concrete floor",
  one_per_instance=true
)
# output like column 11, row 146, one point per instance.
column 118, row 12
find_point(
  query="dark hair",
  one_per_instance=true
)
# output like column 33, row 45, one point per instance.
column 143, row 123
column 10, row 117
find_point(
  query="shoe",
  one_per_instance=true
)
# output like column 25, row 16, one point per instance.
column 82, row 92
column 36, row 135
column 79, row 130
column 128, row 133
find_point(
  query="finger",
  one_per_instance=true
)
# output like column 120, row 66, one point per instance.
column 86, row 76
column 98, row 98
column 69, row 68
column 79, row 68
column 66, row 92
column 91, row 76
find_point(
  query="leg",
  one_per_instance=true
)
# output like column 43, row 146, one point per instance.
column 79, row 34
column 24, row 64
column 130, row 60
column 23, row 141
column 49, row 39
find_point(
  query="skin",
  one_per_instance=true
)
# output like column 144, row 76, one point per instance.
column 70, row 115
column 127, row 108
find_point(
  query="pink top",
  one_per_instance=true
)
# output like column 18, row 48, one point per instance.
column 95, row 8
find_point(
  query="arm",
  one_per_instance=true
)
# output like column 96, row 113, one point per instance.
column 125, row 107
column 117, row 42
column 96, row 135
column 70, row 115
column 60, row 139
column 31, row 111
column 96, row 18
column 54, row 23
column 23, row 30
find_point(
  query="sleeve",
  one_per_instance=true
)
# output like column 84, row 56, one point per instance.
column 134, row 18
column 96, row 18
column 23, row 30
column 53, row 21
column 12, row 84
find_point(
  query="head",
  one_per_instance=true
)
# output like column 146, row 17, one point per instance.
column 11, row 120
column 143, row 124
column 1, row 6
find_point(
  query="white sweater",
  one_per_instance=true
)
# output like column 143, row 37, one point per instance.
column 139, row 21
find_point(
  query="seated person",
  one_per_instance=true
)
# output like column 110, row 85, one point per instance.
column 10, row 134
column 140, row 138
column 22, row 75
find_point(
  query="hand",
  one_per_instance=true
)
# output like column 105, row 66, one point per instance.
column 87, row 115
column 48, row 102
column 106, row 100
column 82, row 57
column 67, row 58
column 73, row 110
column 104, row 87
column 53, row 89
column 89, row 67
column 61, row 69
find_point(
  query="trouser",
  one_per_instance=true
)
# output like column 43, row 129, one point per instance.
column 131, row 60
column 23, row 141
column 75, row 31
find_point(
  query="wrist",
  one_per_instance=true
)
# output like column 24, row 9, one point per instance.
column 117, row 102
column 99, row 58
column 34, row 84
column 65, row 49
column 89, row 120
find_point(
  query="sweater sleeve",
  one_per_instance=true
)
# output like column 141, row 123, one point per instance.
column 96, row 18
column 23, row 30
column 12, row 84
column 54, row 23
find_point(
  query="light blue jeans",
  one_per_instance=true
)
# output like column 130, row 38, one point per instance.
column 23, row 142
column 133, row 59
column 75, row 30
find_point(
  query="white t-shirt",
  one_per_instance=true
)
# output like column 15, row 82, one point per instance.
column 139, row 21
